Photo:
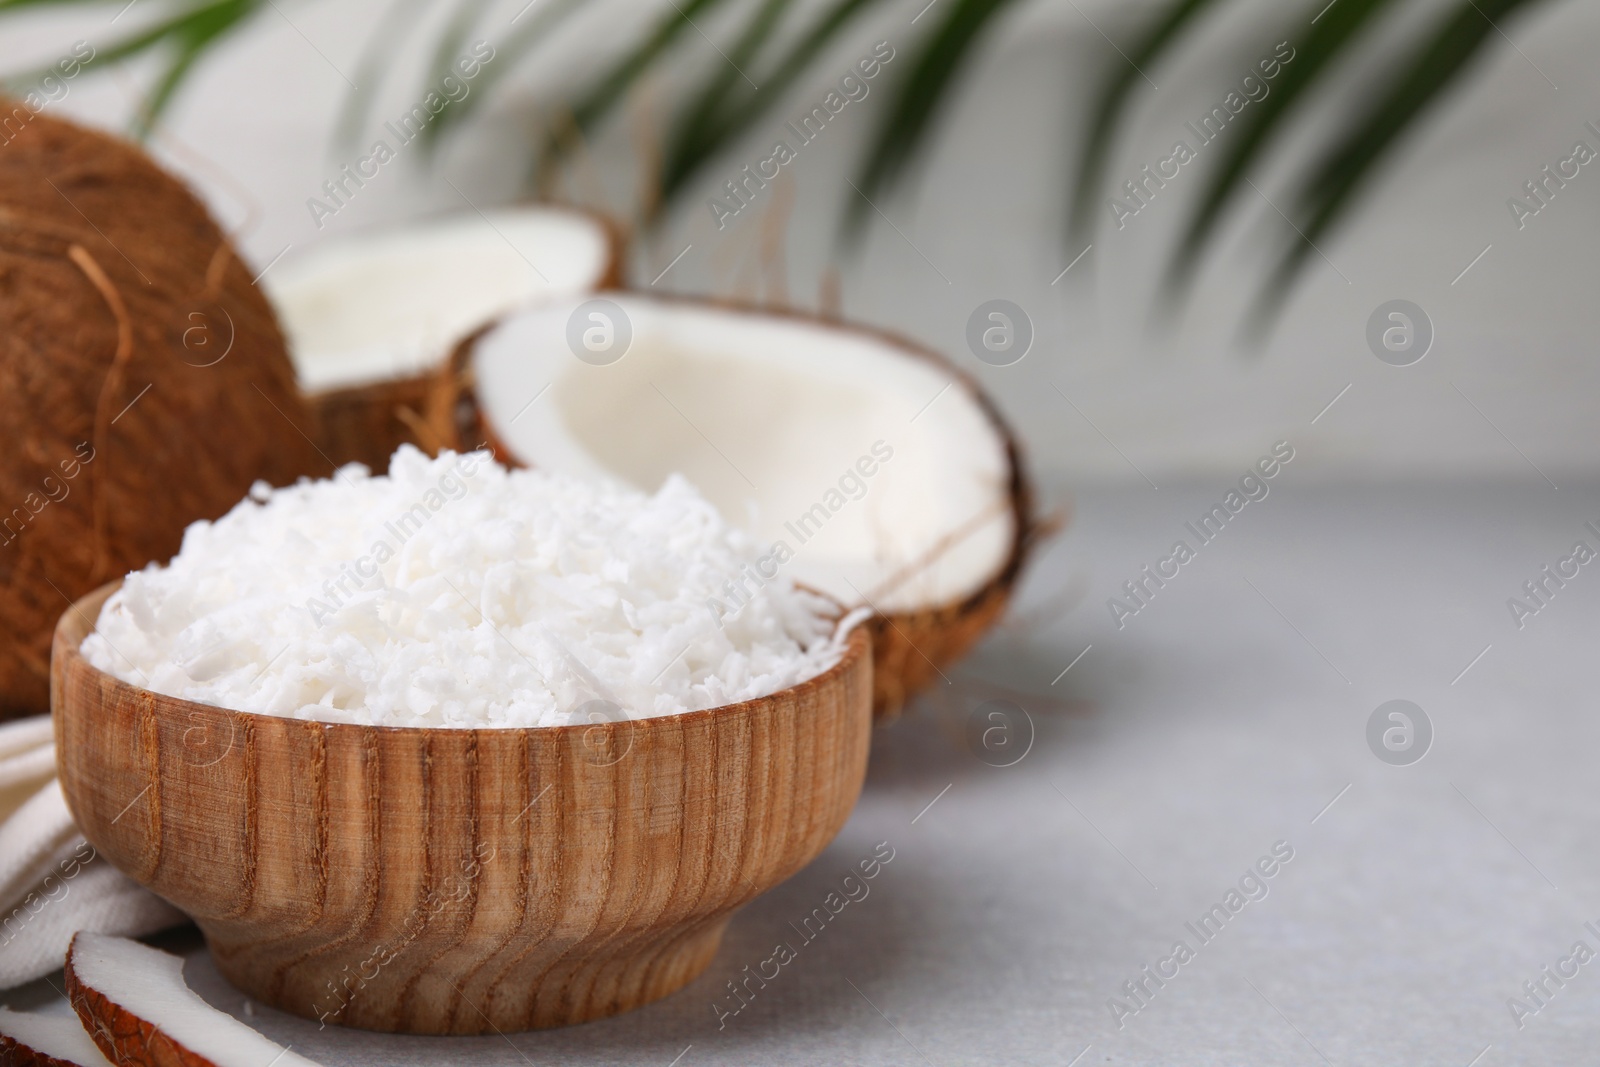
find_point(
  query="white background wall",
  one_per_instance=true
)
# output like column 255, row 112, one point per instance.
column 983, row 220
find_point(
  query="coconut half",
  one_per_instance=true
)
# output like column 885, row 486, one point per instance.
column 28, row 1039
column 880, row 474
column 370, row 317
column 133, row 1001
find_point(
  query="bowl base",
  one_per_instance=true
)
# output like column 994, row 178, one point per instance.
column 542, row 987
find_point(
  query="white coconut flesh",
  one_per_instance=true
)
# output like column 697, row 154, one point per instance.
column 60, row 1037
column 148, row 984
column 775, row 419
column 374, row 307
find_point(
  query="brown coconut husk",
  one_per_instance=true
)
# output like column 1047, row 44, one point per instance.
column 366, row 423
column 911, row 649
column 142, row 378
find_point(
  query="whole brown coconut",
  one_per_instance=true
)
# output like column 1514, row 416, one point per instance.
column 143, row 380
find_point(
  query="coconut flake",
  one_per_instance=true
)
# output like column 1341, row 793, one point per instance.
column 453, row 592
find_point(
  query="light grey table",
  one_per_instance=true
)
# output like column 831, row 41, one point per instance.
column 1227, row 715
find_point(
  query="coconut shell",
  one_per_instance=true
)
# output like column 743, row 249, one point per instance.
column 366, row 423
column 910, row 649
column 143, row 380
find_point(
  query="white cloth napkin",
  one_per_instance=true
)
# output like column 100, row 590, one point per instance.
column 52, row 884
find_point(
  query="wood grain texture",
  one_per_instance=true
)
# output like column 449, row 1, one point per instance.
column 458, row 881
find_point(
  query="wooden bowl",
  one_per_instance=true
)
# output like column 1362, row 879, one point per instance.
column 443, row 881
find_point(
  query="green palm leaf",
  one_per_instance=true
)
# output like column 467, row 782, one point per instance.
column 717, row 110
column 7, row 5
column 1095, row 153
column 190, row 35
column 699, row 137
column 1328, row 41
column 700, row 112
column 1342, row 169
column 595, row 104
column 916, row 100
column 192, row 40
column 445, row 54
column 516, row 47
column 381, row 44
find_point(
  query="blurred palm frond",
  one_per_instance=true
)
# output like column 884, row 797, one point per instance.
column 707, row 124
column 934, row 66
column 773, row 44
column 1334, row 179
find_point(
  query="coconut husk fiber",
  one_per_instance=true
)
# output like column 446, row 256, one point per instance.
column 143, row 381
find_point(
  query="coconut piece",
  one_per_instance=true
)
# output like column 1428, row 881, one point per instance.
column 133, row 1001
column 370, row 317
column 885, row 472
column 143, row 381
column 28, row 1039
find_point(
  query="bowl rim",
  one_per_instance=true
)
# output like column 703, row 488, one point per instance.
column 76, row 620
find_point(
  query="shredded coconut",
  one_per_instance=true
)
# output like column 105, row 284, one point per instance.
column 456, row 593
